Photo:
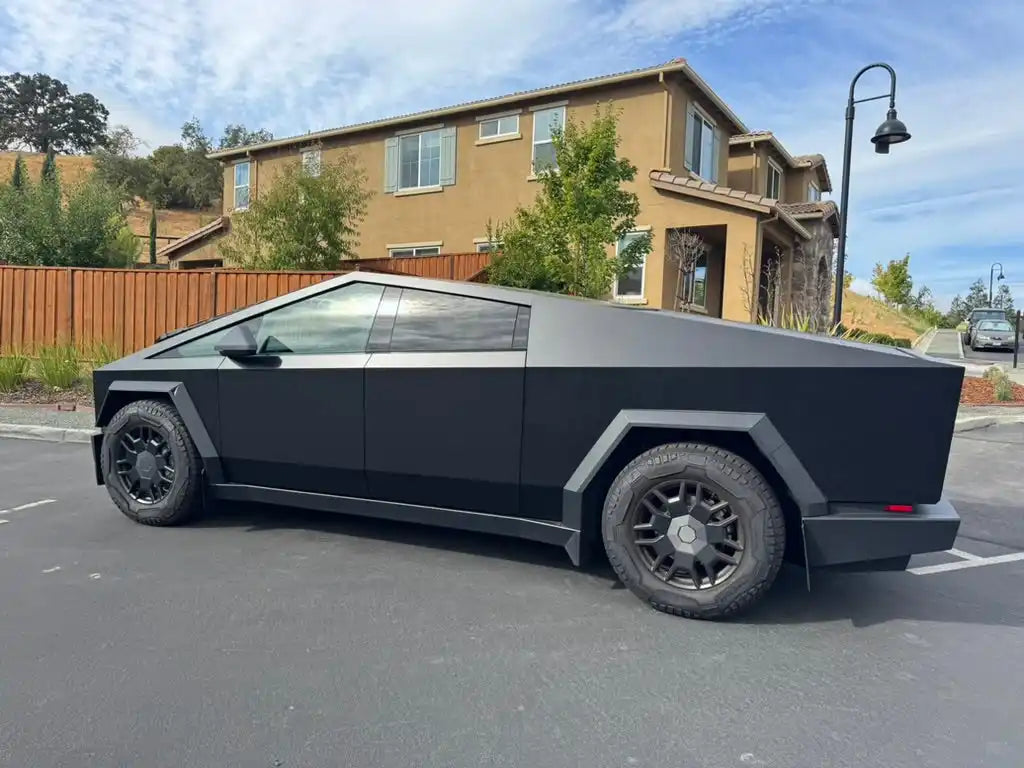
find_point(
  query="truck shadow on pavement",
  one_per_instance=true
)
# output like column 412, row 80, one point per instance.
column 862, row 599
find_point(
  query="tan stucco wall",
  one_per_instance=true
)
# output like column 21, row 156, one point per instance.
column 797, row 182
column 743, row 168
column 492, row 178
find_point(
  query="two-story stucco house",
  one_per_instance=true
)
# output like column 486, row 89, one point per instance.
column 440, row 176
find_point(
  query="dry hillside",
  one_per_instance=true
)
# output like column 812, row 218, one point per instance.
column 72, row 168
column 869, row 314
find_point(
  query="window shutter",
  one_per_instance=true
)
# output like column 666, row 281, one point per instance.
column 391, row 165
column 715, row 155
column 691, row 133
column 447, row 175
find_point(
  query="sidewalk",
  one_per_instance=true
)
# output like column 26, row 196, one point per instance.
column 945, row 343
column 45, row 422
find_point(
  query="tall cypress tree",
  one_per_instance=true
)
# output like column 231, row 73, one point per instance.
column 50, row 167
column 20, row 177
column 152, row 236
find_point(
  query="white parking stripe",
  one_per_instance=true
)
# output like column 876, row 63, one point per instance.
column 964, row 555
column 977, row 562
column 27, row 506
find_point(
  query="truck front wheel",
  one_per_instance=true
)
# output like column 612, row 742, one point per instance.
column 694, row 530
column 150, row 465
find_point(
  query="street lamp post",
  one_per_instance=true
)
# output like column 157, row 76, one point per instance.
column 991, row 272
column 892, row 131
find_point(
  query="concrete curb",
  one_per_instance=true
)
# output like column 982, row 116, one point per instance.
column 980, row 422
column 48, row 434
column 922, row 341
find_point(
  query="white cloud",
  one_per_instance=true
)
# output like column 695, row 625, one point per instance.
column 310, row 64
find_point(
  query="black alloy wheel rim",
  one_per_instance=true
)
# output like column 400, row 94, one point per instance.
column 687, row 535
column 145, row 464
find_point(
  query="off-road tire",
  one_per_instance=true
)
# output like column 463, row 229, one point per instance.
column 184, row 500
column 752, row 500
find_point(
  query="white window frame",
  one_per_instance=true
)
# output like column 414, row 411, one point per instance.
column 312, row 160
column 632, row 298
column 534, row 143
column 773, row 166
column 419, row 160
column 409, row 251
column 236, row 186
column 811, row 198
column 497, row 121
column 483, row 245
column 707, row 124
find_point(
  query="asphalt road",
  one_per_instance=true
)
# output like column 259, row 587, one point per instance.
column 993, row 356
column 266, row 637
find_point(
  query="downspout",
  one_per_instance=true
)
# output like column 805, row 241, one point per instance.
column 666, row 123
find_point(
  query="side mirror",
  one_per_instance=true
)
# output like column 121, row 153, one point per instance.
column 237, row 342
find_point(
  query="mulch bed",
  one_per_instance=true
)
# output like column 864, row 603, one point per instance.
column 977, row 391
column 36, row 393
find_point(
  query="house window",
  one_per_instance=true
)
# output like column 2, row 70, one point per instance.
column 419, row 160
column 545, row 123
column 488, row 247
column 241, row 197
column 422, row 250
column 813, row 193
column 701, row 145
column 695, row 284
column 631, row 284
column 311, row 161
column 773, row 183
column 499, row 126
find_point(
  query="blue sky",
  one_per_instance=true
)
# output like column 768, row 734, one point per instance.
column 953, row 196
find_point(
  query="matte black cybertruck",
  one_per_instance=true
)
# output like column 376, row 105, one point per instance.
column 699, row 452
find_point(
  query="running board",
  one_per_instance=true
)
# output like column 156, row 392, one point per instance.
column 519, row 527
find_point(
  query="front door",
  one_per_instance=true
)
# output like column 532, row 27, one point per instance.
column 292, row 416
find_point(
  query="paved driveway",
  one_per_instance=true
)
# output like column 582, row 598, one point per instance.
column 270, row 637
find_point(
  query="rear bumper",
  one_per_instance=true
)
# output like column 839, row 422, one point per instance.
column 853, row 535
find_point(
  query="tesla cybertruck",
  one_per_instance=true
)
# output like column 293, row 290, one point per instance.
column 700, row 453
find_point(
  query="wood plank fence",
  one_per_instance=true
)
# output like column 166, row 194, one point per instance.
column 129, row 308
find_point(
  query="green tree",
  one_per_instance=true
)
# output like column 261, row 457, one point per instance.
column 49, row 174
column 893, row 281
column 19, row 179
column 302, row 222
column 117, row 164
column 1003, row 299
column 152, row 236
column 38, row 112
column 43, row 225
column 977, row 296
column 847, row 281
column 240, row 136
column 561, row 243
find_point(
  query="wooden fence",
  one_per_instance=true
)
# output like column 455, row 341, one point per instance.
column 129, row 308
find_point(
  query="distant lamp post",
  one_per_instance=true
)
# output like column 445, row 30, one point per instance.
column 991, row 272
column 892, row 131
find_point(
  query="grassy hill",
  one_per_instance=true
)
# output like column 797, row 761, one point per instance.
column 72, row 168
column 872, row 315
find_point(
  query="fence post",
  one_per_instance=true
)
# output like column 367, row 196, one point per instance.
column 213, row 290
column 1016, row 338
column 71, row 306
column 451, row 266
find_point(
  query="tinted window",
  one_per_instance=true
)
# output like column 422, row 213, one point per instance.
column 334, row 322
column 994, row 325
column 437, row 322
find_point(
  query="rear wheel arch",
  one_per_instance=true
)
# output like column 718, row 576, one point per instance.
column 749, row 435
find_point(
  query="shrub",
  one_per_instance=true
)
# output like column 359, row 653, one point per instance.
column 13, row 367
column 993, row 373
column 59, row 366
column 1003, row 388
column 101, row 353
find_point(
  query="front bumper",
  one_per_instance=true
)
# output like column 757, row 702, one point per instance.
column 860, row 535
column 993, row 343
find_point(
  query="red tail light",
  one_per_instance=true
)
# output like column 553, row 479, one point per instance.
column 899, row 508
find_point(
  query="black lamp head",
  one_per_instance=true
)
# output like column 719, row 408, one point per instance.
column 892, row 131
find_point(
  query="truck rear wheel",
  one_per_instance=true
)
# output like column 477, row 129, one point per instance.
column 694, row 530
column 150, row 465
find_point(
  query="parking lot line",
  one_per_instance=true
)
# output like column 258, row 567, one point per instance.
column 976, row 562
column 31, row 504
column 963, row 555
